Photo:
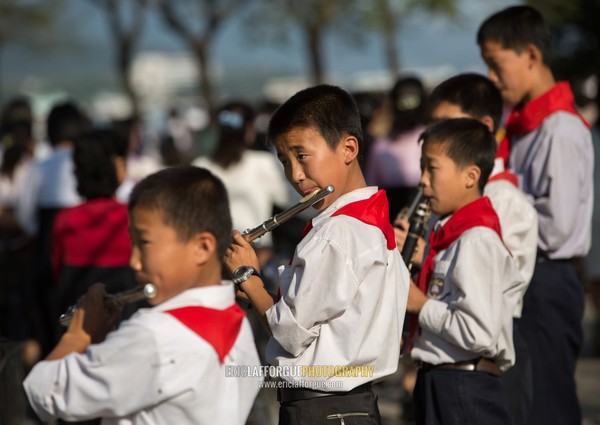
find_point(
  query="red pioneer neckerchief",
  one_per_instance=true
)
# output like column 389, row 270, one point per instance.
column 478, row 213
column 373, row 211
column 220, row 328
column 530, row 116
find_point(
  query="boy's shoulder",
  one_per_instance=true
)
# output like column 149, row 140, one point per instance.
column 357, row 214
column 164, row 333
column 503, row 192
column 475, row 241
column 567, row 124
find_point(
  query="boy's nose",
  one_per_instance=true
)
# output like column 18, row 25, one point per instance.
column 297, row 174
column 424, row 182
column 134, row 260
column 493, row 76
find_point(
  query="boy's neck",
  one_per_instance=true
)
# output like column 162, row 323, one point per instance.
column 210, row 275
column 543, row 82
column 468, row 198
column 354, row 181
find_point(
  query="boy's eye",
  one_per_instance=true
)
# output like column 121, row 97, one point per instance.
column 301, row 156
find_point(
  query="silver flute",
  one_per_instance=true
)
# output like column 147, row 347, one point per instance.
column 282, row 217
column 115, row 300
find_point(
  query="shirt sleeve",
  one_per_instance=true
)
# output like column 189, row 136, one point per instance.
column 117, row 377
column 519, row 223
column 472, row 317
column 322, row 286
column 27, row 204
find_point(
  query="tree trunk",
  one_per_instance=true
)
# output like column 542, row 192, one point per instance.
column 314, row 40
column 390, row 28
column 391, row 53
column 124, row 66
column 206, row 88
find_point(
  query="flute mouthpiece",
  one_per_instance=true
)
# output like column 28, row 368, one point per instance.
column 311, row 195
column 150, row 290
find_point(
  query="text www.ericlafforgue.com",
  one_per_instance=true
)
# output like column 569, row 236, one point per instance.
column 313, row 385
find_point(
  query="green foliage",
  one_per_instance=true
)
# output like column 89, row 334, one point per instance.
column 576, row 35
column 28, row 22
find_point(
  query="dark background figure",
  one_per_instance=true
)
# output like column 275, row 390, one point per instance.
column 394, row 160
column 371, row 106
column 18, row 350
column 90, row 242
column 49, row 187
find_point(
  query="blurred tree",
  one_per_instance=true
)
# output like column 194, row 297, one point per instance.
column 197, row 23
column 314, row 18
column 350, row 19
column 125, row 37
column 27, row 22
column 386, row 18
column 575, row 30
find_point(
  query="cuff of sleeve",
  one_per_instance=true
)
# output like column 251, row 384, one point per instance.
column 292, row 336
column 431, row 317
column 38, row 387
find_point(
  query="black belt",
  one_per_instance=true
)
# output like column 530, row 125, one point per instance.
column 477, row 365
column 542, row 256
column 286, row 395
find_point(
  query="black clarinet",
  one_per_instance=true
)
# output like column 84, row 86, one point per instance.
column 418, row 226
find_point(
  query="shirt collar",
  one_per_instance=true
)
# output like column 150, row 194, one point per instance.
column 213, row 296
column 345, row 199
column 498, row 167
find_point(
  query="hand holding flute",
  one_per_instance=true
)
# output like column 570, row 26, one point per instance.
column 114, row 301
column 89, row 323
column 241, row 253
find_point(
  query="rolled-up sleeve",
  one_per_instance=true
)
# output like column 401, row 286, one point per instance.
column 105, row 381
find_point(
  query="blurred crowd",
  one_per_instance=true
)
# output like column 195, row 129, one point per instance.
column 65, row 180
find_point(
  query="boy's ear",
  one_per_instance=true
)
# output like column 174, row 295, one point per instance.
column 472, row 175
column 350, row 148
column 205, row 245
column 488, row 122
column 534, row 54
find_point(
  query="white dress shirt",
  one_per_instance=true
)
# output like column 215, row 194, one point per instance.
column 474, row 288
column 519, row 224
column 151, row 370
column 343, row 300
column 50, row 183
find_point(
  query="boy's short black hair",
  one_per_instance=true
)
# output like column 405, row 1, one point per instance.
column 190, row 199
column 467, row 142
column 515, row 27
column 95, row 169
column 474, row 94
column 328, row 109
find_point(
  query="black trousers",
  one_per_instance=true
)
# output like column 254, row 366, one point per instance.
column 458, row 397
column 551, row 324
column 358, row 408
column 518, row 380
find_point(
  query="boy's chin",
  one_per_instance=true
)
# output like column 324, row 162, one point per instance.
column 320, row 206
